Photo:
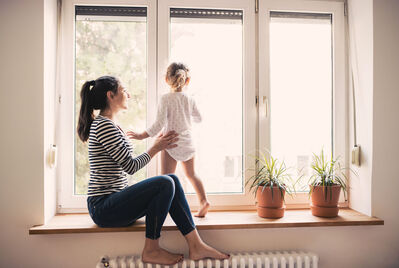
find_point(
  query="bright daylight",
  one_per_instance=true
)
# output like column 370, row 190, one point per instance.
column 301, row 91
column 217, row 85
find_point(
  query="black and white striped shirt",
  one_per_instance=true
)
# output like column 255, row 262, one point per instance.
column 110, row 157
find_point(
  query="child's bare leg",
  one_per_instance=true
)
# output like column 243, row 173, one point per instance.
column 153, row 253
column 168, row 163
column 199, row 250
column 188, row 167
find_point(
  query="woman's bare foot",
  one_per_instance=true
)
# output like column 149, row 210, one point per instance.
column 153, row 253
column 203, row 209
column 204, row 251
column 161, row 256
column 199, row 250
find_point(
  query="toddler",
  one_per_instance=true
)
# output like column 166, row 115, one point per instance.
column 176, row 110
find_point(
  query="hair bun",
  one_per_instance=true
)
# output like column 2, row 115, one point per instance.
column 176, row 76
column 182, row 73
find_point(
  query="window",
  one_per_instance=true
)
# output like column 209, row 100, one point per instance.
column 105, row 37
column 302, row 84
column 216, row 40
column 210, row 43
column 99, row 40
column 300, row 48
column 136, row 40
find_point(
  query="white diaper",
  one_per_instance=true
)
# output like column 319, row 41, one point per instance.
column 185, row 148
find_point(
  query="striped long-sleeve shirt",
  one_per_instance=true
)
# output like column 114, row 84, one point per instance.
column 110, row 157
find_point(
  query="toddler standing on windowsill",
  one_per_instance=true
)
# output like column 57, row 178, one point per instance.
column 176, row 110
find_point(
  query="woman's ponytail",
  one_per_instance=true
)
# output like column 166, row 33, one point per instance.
column 94, row 98
column 86, row 111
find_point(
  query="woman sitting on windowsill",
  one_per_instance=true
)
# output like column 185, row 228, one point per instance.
column 111, row 202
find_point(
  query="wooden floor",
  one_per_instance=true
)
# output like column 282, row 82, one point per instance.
column 82, row 223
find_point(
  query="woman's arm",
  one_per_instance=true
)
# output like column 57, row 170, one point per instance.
column 112, row 140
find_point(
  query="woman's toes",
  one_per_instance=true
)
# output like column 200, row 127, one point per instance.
column 208, row 252
column 162, row 257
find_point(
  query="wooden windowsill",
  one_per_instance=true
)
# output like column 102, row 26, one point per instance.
column 82, row 223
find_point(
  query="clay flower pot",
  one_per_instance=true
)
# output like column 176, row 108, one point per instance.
column 267, row 206
column 323, row 206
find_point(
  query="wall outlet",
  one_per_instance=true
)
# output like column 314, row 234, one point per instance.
column 356, row 155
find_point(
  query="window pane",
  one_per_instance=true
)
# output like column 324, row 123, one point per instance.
column 110, row 45
column 301, row 89
column 212, row 49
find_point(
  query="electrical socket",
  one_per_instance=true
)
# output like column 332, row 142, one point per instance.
column 356, row 155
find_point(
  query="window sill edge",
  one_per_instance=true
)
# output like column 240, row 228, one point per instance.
column 218, row 220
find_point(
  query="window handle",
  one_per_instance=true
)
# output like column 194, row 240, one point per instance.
column 265, row 107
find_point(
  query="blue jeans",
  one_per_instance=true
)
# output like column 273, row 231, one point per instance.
column 154, row 198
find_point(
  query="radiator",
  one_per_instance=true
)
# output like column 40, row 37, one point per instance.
column 278, row 259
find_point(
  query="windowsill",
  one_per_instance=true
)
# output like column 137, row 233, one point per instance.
column 82, row 223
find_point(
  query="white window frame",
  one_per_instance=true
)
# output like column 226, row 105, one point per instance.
column 221, row 201
column 256, row 85
column 66, row 200
column 340, row 137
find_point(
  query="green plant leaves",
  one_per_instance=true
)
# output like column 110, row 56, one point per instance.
column 327, row 173
column 271, row 173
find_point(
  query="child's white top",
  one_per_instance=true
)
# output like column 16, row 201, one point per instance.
column 175, row 112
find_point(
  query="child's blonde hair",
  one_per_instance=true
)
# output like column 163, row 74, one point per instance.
column 177, row 75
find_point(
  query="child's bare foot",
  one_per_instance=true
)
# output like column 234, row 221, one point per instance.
column 203, row 209
column 161, row 256
column 204, row 251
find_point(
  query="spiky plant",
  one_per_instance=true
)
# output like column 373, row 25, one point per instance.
column 270, row 172
column 327, row 173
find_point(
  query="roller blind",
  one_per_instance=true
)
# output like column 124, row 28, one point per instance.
column 111, row 11
column 300, row 15
column 205, row 13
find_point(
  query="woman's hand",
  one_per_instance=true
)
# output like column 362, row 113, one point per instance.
column 137, row 136
column 163, row 142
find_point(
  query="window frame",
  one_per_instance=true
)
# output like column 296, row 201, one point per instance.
column 221, row 201
column 340, row 100
column 255, row 62
column 67, row 202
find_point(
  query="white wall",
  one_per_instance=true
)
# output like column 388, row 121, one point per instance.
column 24, row 65
column 49, row 95
column 361, row 61
column 385, row 198
column 21, row 109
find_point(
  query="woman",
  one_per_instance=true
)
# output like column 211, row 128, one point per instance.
column 111, row 202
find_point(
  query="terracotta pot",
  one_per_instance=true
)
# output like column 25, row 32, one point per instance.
column 323, row 206
column 268, row 206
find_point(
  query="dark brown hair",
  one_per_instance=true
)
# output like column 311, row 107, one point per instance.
column 94, row 97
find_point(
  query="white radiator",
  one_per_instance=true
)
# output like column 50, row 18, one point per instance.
column 278, row 259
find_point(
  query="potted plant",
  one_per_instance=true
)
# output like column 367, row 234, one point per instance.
column 325, row 185
column 270, row 184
